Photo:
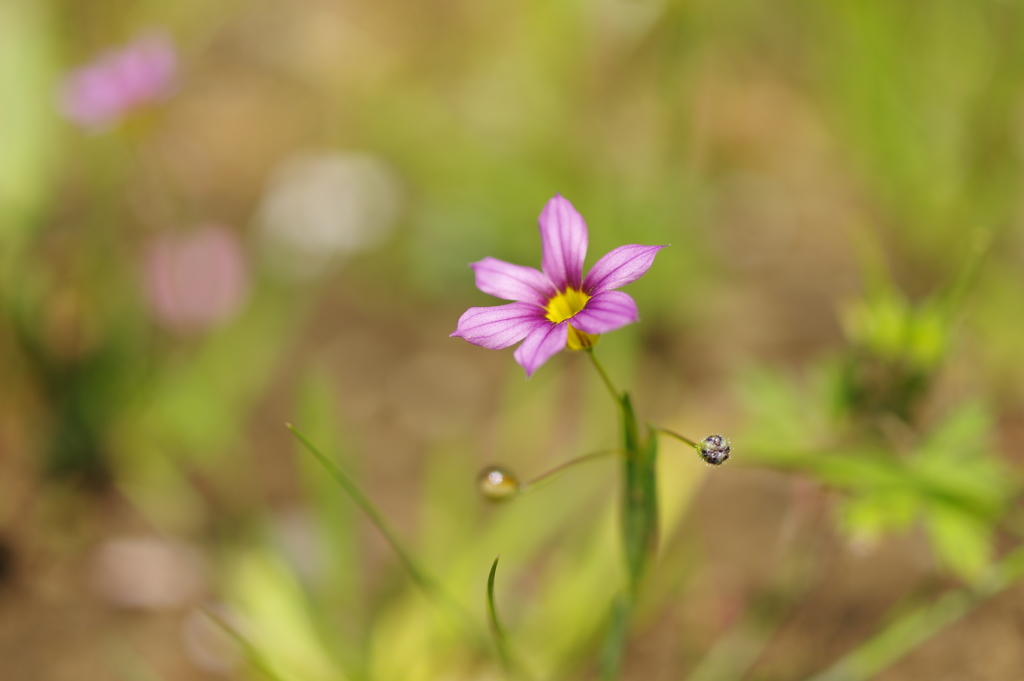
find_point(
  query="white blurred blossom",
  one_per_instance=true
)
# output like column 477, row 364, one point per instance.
column 147, row 573
column 319, row 209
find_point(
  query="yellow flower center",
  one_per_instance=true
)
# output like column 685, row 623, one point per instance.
column 564, row 306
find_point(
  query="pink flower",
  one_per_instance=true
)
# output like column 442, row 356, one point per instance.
column 197, row 280
column 101, row 94
column 555, row 308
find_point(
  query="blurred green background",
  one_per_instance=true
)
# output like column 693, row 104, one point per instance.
column 284, row 237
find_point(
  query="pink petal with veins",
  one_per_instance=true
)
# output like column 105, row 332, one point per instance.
column 619, row 267
column 540, row 345
column 606, row 312
column 499, row 327
column 563, row 236
column 513, row 282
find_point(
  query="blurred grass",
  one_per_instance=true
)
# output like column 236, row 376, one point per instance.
column 766, row 142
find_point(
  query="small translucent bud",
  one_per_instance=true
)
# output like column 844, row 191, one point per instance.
column 714, row 449
column 497, row 483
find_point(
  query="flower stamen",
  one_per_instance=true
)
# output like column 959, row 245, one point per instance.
column 564, row 305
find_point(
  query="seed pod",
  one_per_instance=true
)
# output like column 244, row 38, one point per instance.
column 714, row 449
column 497, row 483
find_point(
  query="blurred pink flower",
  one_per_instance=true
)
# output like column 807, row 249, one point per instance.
column 147, row 573
column 102, row 93
column 196, row 280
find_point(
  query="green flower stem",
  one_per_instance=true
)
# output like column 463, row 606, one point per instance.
column 639, row 521
column 678, row 437
column 640, row 495
column 544, row 478
column 616, row 395
column 640, row 500
column 907, row 633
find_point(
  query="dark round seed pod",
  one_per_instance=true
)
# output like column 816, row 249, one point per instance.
column 714, row 449
column 497, row 483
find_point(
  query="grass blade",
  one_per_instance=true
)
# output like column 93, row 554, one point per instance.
column 610, row 661
column 421, row 577
column 639, row 530
column 373, row 513
column 910, row 631
column 640, row 495
column 500, row 639
column 252, row 654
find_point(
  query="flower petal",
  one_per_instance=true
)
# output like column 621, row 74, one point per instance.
column 563, row 237
column 499, row 327
column 606, row 312
column 541, row 345
column 619, row 267
column 512, row 282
